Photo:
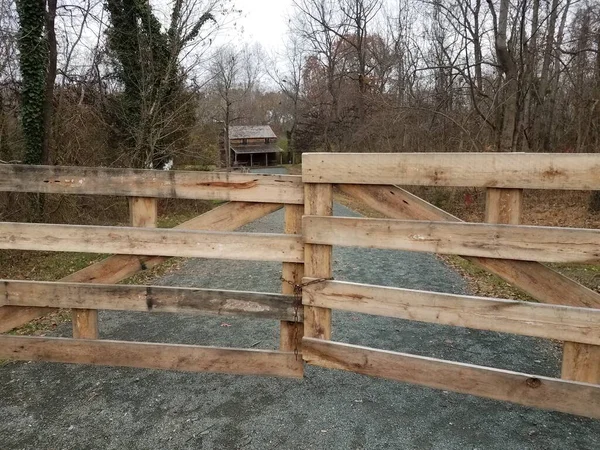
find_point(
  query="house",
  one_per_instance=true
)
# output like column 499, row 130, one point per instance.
column 252, row 145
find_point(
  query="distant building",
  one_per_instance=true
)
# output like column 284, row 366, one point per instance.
column 252, row 145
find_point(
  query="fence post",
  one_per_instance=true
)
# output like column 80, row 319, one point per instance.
column 142, row 213
column 318, row 201
column 291, row 332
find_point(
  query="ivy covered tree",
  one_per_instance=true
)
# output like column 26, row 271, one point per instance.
column 153, row 109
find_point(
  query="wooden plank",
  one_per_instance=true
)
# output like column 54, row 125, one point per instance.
column 529, row 243
column 507, row 316
column 147, row 298
column 146, row 241
column 113, row 269
column 319, row 200
column 541, row 282
column 188, row 358
column 581, row 362
column 291, row 332
column 502, row 170
column 504, row 206
column 240, row 187
column 529, row 390
column 143, row 212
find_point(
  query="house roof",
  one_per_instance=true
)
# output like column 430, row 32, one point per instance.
column 247, row 149
column 251, row 132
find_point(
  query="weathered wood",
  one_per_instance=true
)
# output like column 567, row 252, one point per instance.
column 539, row 281
column 113, row 269
column 317, row 259
column 529, row 243
column 152, row 183
column 146, row 241
column 121, row 297
column 504, row 206
column 507, row 316
column 189, row 358
column 503, row 170
column 581, row 362
column 291, row 332
column 540, row 392
column 143, row 212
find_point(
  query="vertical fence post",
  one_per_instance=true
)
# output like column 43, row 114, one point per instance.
column 142, row 213
column 291, row 332
column 318, row 200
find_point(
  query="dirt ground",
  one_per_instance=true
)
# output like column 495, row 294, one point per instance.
column 56, row 406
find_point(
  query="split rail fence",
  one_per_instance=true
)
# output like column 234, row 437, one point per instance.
column 567, row 311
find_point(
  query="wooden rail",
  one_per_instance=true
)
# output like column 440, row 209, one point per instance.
column 152, row 183
column 507, row 316
column 530, row 390
column 147, row 298
column 189, row 358
column 113, row 269
column 147, row 241
column 528, row 243
column 503, row 170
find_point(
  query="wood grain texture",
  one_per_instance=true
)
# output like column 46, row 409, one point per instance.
column 581, row 362
column 146, row 241
column 541, row 282
column 503, row 170
column 540, row 392
column 562, row 323
column 188, row 358
column 152, row 183
column 317, row 259
column 113, row 269
column 291, row 332
column 529, row 243
column 147, row 298
column 504, row 206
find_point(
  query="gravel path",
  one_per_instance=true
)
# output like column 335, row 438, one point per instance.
column 55, row 406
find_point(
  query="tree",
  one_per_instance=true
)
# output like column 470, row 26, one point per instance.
column 148, row 63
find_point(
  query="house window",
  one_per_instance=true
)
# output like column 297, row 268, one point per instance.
column 245, row 141
column 267, row 140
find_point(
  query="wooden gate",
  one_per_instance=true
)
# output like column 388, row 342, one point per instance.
column 568, row 311
column 512, row 251
column 249, row 197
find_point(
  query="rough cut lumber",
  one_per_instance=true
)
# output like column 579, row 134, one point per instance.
column 503, row 170
column 152, row 183
column 540, row 392
column 564, row 323
column 113, row 269
column 503, row 206
column 541, row 282
column 291, row 332
column 143, row 212
column 529, row 243
column 121, row 297
column 147, row 241
column 581, row 362
column 319, row 201
column 188, row 358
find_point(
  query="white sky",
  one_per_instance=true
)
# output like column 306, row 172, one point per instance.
column 264, row 21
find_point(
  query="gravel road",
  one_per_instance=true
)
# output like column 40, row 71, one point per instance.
column 56, row 406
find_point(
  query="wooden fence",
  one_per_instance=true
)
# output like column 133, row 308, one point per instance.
column 567, row 311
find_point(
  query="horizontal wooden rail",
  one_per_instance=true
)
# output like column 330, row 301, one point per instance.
column 147, row 298
column 113, row 269
column 539, row 281
column 562, row 323
column 503, row 170
column 148, row 241
column 540, row 392
column 187, row 358
column 528, row 243
column 152, row 183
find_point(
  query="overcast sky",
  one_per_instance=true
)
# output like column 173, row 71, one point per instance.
column 264, row 21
